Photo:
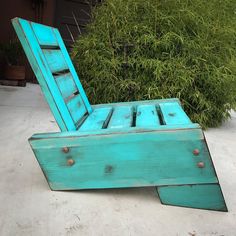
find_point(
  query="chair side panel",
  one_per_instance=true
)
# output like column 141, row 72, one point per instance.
column 124, row 160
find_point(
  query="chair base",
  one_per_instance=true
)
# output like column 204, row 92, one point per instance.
column 176, row 159
column 201, row 196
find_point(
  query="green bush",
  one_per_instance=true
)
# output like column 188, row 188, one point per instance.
column 152, row 49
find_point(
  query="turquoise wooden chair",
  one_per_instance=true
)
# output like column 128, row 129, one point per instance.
column 131, row 144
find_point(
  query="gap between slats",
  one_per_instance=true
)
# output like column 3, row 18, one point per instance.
column 128, row 116
column 151, row 117
column 51, row 47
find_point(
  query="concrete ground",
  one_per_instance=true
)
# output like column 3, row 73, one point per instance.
column 29, row 207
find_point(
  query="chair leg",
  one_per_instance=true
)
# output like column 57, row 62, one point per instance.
column 202, row 196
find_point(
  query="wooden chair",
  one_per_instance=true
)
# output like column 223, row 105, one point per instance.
column 131, row 144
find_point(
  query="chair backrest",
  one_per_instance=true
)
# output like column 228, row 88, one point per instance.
column 55, row 72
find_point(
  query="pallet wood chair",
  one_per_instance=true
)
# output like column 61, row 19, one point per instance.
column 130, row 144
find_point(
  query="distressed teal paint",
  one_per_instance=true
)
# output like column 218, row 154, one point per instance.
column 137, row 159
column 40, row 75
column 147, row 116
column 204, row 196
column 44, row 63
column 173, row 113
column 136, row 103
column 96, row 120
column 72, row 70
column 55, row 60
column 122, row 117
column 42, row 70
column 170, row 128
column 76, row 108
column 130, row 144
column 44, row 34
column 66, row 84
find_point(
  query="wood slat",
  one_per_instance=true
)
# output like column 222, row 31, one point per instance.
column 122, row 117
column 76, row 108
column 96, row 120
column 55, row 60
column 203, row 196
column 124, row 159
column 44, row 34
column 66, row 84
column 72, row 70
column 147, row 116
column 45, row 78
column 173, row 114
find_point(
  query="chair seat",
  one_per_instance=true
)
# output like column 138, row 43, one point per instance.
column 142, row 114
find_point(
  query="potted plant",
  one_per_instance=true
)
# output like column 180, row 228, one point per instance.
column 14, row 59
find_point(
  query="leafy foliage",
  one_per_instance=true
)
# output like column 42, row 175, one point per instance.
column 13, row 52
column 137, row 50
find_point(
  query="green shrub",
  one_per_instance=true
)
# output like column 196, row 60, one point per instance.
column 152, row 49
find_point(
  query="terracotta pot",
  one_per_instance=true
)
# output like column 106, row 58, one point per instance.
column 14, row 72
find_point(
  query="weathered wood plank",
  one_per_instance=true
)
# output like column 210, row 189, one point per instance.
column 147, row 116
column 125, row 160
column 173, row 113
column 137, row 103
column 101, row 132
column 44, row 34
column 76, row 108
column 46, row 61
column 204, row 196
column 96, row 120
column 122, row 117
column 55, row 60
column 72, row 70
column 66, row 84
column 43, row 73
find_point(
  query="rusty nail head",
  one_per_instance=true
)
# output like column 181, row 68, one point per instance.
column 70, row 162
column 201, row 164
column 196, row 152
column 65, row 149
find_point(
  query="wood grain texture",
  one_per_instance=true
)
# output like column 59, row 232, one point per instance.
column 173, row 113
column 136, row 159
column 72, row 71
column 96, row 120
column 55, row 60
column 140, row 102
column 47, row 61
column 31, row 49
column 44, row 34
column 101, row 132
column 122, row 117
column 76, row 108
column 203, row 196
column 147, row 116
column 66, row 85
